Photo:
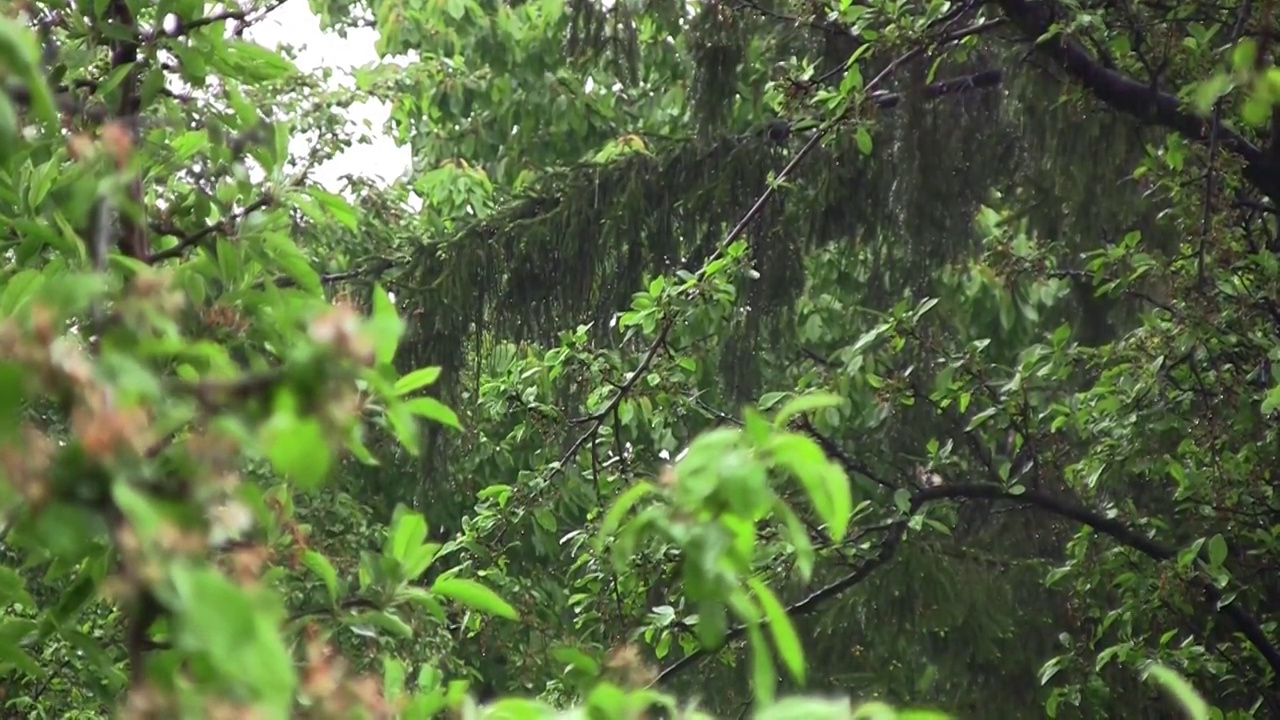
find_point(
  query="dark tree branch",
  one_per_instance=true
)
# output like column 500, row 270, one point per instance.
column 1127, row 95
column 1125, row 535
column 187, row 241
column 1115, row 529
column 809, row 605
column 952, row 86
column 243, row 17
column 124, row 51
column 373, row 271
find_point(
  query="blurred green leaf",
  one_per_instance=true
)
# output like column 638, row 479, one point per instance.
column 474, row 595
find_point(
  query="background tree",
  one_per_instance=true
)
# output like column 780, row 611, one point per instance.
column 994, row 283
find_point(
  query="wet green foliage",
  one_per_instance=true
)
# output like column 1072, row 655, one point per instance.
column 808, row 360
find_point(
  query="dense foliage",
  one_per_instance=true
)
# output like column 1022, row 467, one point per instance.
column 809, row 359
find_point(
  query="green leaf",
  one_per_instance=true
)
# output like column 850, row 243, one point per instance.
column 606, row 700
column 385, row 327
column 424, row 599
column 145, row 518
column 42, row 179
column 863, row 137
column 416, row 380
column 799, row 537
column 621, row 506
column 279, row 145
column 20, row 56
column 875, row 711
column 320, row 565
column 18, row 290
column 1217, row 551
column 576, row 658
column 405, row 427
column 285, row 253
column 186, row 145
column 432, row 409
column 298, row 448
column 13, row 395
column 230, row 260
column 17, row 630
column 1186, row 696
column 806, row 708
column 768, row 400
column 74, row 598
column 250, row 61
column 114, row 78
column 902, row 500
column 980, row 418
column 337, row 207
column 355, row 445
column 11, row 654
column 420, row 559
column 393, row 677
column 1188, row 555
column 366, row 624
column 1244, row 55
column 8, row 133
column 764, row 677
column 805, row 403
column 19, row 50
column 840, row 493
column 408, row 532
column 546, row 519
column 13, row 589
column 713, row 623
column 784, row 633
column 475, row 596
column 1271, row 401
column 922, row 715
column 516, row 708
column 238, row 635
column 819, row 476
column 1050, row 669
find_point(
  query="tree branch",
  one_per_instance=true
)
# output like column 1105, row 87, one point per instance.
column 191, row 240
column 1116, row 529
column 244, row 17
column 1122, row 533
column 1127, row 95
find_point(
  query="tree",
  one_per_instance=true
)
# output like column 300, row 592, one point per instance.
column 798, row 343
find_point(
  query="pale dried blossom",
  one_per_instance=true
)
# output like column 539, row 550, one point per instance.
column 156, row 288
column 228, row 522
column 247, row 563
column 147, row 702
column 68, row 359
column 181, row 541
column 339, row 328
column 106, row 430
column 118, row 142
column 322, row 674
column 628, row 665
column 25, row 464
column 218, row 709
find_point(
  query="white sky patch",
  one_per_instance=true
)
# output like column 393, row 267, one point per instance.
column 294, row 24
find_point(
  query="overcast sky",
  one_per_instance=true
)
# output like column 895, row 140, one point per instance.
column 295, row 24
